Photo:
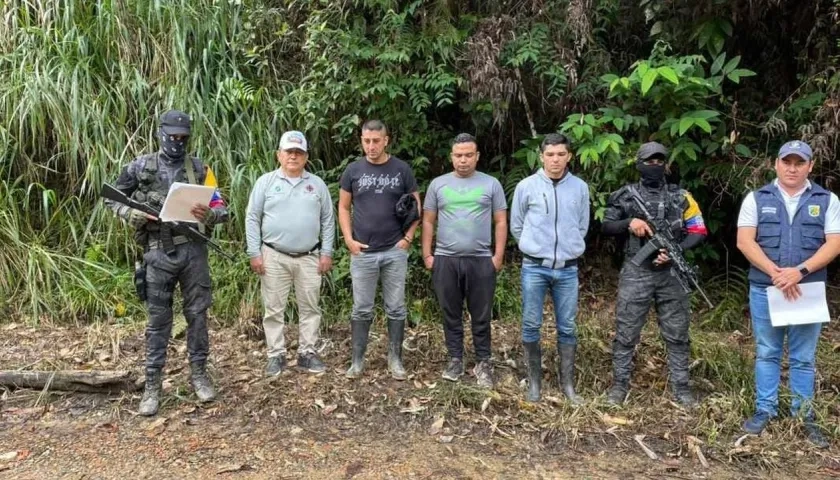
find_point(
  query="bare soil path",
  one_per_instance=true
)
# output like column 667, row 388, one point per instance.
column 325, row 426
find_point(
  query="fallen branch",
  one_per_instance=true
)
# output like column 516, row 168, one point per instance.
column 740, row 440
column 494, row 427
column 97, row 381
column 650, row 453
column 694, row 445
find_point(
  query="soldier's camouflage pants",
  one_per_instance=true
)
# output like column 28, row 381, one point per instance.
column 637, row 288
column 187, row 266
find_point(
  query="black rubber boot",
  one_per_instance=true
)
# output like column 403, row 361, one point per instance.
column 359, row 335
column 566, row 373
column 151, row 395
column 533, row 360
column 396, row 333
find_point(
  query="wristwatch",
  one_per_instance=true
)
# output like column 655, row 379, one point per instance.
column 803, row 269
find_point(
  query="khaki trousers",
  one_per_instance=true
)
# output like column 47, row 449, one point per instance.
column 281, row 272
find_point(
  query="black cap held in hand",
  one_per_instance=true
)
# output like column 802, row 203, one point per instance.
column 175, row 122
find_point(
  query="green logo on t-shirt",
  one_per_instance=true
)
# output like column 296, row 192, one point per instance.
column 467, row 200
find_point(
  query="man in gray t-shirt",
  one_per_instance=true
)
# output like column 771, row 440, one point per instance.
column 464, row 208
column 466, row 205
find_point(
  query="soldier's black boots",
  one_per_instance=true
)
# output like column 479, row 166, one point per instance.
column 359, row 339
column 617, row 393
column 151, row 395
column 533, row 361
column 201, row 382
column 622, row 360
column 678, row 362
column 684, row 396
column 566, row 372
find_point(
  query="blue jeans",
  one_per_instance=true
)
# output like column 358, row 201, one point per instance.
column 366, row 269
column 769, row 345
column 563, row 282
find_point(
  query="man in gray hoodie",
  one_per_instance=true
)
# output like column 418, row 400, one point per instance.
column 549, row 219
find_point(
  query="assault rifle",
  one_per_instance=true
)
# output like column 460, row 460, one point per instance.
column 111, row 193
column 663, row 238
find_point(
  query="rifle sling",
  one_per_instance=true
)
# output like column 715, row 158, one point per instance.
column 190, row 169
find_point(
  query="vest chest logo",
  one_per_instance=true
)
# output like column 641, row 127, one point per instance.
column 278, row 188
column 814, row 210
column 770, row 210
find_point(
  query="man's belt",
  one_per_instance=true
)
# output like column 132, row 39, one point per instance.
column 294, row 254
column 155, row 244
column 560, row 264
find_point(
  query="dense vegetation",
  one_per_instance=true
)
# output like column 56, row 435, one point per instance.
column 723, row 83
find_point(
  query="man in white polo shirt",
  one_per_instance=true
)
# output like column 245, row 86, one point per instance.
column 789, row 230
column 290, row 231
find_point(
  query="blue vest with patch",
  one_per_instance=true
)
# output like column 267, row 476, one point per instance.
column 789, row 243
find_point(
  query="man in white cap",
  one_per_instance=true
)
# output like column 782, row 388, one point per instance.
column 789, row 230
column 290, row 231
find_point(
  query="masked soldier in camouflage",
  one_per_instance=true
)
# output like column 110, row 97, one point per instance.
column 652, row 281
column 170, row 258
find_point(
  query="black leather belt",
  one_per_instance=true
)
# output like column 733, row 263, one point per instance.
column 294, row 254
column 539, row 261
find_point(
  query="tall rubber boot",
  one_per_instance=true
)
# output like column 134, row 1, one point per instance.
column 566, row 373
column 533, row 360
column 359, row 338
column 396, row 333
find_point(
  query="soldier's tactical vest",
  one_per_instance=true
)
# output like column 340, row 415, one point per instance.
column 667, row 203
column 789, row 243
column 150, row 181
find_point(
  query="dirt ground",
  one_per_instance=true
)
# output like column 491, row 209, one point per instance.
column 325, row 426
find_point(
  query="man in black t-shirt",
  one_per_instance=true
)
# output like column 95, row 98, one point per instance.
column 377, row 241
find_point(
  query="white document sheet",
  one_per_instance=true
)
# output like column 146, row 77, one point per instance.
column 811, row 307
column 180, row 200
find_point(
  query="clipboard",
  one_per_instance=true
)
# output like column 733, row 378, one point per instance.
column 181, row 199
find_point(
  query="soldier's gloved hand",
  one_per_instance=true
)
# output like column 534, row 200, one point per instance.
column 211, row 218
column 137, row 219
column 155, row 199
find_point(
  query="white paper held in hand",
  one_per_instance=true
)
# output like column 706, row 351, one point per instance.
column 181, row 199
column 811, row 307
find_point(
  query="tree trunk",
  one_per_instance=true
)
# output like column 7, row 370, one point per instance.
column 101, row 381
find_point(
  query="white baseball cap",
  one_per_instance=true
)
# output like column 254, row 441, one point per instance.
column 293, row 140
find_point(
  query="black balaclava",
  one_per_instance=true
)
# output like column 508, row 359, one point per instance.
column 174, row 149
column 174, row 123
column 653, row 176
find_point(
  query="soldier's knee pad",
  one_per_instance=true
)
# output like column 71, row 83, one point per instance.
column 675, row 335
